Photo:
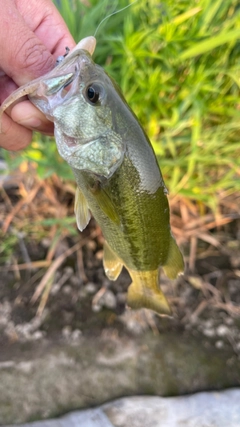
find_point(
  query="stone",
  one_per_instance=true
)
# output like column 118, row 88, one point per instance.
column 108, row 300
column 90, row 288
column 201, row 410
column 42, row 379
column 207, row 409
column 222, row 330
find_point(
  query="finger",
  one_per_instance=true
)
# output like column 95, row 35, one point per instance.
column 26, row 114
column 27, row 55
column 7, row 86
column 13, row 137
column 46, row 22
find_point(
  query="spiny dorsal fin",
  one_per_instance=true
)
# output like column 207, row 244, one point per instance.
column 81, row 210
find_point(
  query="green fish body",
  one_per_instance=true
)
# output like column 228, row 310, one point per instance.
column 117, row 174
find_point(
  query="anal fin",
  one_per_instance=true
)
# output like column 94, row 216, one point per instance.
column 175, row 263
column 112, row 264
column 81, row 210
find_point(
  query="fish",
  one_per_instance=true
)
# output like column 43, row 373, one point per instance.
column 118, row 177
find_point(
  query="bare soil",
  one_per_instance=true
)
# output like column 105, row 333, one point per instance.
column 77, row 299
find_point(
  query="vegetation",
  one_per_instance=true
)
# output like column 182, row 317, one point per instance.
column 178, row 66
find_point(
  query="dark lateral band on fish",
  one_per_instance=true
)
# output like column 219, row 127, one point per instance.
column 118, row 177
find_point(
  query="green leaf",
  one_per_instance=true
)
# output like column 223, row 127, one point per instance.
column 210, row 44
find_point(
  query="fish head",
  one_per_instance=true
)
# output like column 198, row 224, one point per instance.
column 79, row 98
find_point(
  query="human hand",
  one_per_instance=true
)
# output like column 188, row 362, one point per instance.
column 32, row 35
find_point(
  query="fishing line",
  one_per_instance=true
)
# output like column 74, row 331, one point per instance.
column 113, row 13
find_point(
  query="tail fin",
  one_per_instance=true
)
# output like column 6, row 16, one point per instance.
column 144, row 292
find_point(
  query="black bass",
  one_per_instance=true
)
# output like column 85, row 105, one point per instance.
column 116, row 170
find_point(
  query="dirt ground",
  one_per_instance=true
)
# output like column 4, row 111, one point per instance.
column 52, row 283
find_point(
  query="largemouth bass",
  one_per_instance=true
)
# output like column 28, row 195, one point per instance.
column 116, row 170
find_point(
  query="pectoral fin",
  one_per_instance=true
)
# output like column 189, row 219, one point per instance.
column 111, row 263
column 106, row 204
column 175, row 263
column 81, row 210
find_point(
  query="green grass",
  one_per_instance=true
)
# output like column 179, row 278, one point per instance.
column 178, row 64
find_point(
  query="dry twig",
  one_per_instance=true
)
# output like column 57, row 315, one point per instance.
column 28, row 199
column 57, row 262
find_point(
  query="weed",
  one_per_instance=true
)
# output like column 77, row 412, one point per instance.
column 178, row 66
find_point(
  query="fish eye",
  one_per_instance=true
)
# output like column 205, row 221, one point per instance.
column 93, row 93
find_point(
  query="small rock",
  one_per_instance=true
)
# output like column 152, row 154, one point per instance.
column 67, row 290
column 37, row 335
column 222, row 330
column 208, row 323
column 68, row 270
column 76, row 334
column 209, row 332
column 108, row 300
column 46, row 242
column 55, row 288
column 219, row 344
column 96, row 308
column 91, row 244
column 90, row 288
column 99, row 255
column 74, row 280
column 66, row 331
column 229, row 321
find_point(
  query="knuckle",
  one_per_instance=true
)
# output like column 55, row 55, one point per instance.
column 33, row 57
